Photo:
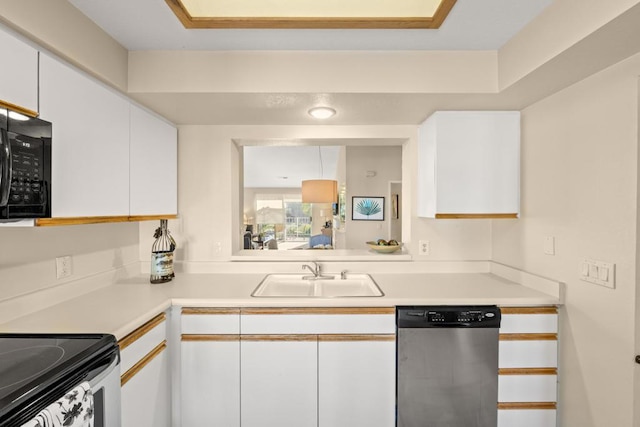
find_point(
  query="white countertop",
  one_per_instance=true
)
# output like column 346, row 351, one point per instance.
column 118, row 309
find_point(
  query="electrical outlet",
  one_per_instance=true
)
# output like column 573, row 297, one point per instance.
column 424, row 247
column 63, row 267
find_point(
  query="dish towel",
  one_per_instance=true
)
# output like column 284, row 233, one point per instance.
column 75, row 409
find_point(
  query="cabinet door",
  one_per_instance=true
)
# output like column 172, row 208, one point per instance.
column 469, row 163
column 146, row 398
column 90, row 144
column 210, row 367
column 279, row 383
column 211, row 382
column 356, row 381
column 145, row 379
column 154, row 180
column 18, row 73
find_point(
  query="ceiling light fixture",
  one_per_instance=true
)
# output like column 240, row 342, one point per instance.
column 322, row 113
column 360, row 14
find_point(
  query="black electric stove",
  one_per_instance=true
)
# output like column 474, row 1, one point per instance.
column 37, row 369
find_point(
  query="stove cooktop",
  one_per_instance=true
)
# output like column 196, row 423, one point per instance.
column 32, row 364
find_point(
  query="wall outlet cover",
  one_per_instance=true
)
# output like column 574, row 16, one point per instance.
column 424, row 247
column 63, row 266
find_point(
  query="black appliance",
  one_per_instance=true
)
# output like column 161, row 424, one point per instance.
column 38, row 369
column 25, row 167
column 447, row 366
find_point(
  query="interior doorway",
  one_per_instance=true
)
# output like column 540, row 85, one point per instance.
column 395, row 216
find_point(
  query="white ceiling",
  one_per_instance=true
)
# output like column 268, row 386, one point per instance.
column 471, row 25
column 288, row 166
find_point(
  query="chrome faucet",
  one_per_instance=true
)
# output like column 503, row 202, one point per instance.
column 316, row 269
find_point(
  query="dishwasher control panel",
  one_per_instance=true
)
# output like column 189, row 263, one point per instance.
column 448, row 316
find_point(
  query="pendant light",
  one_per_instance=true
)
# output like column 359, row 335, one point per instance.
column 320, row 190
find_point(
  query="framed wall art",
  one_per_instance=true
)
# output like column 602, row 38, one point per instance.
column 367, row 208
column 395, row 206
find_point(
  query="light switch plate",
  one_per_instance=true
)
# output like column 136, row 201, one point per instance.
column 598, row 272
column 549, row 245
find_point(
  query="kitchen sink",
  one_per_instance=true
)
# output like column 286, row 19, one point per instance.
column 325, row 286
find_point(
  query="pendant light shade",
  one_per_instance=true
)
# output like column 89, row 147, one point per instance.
column 319, row 191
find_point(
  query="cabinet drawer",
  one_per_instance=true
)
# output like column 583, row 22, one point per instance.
column 529, row 320
column 318, row 321
column 527, row 388
column 528, row 354
column 210, row 320
column 526, row 418
column 138, row 344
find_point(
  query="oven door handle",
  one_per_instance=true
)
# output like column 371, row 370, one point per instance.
column 102, row 372
column 5, row 167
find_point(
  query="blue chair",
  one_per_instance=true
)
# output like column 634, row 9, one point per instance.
column 319, row 239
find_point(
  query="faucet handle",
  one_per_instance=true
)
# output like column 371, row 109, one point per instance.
column 317, row 266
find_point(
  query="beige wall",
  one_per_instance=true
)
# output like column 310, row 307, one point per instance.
column 558, row 28
column 313, row 71
column 386, row 162
column 27, row 258
column 579, row 184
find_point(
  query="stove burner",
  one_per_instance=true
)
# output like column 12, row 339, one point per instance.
column 19, row 366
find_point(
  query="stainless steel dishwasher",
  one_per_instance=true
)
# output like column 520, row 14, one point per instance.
column 447, row 366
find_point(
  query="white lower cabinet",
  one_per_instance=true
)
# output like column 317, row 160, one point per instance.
column 288, row 367
column 527, row 418
column 527, row 388
column 145, row 376
column 146, row 397
column 357, row 383
column 279, row 381
column 528, row 362
column 211, row 382
column 210, row 367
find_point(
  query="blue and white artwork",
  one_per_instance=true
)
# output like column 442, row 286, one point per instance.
column 367, row 208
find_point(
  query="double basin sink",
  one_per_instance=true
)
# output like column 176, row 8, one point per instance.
column 322, row 286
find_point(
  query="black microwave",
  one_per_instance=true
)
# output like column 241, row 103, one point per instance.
column 25, row 167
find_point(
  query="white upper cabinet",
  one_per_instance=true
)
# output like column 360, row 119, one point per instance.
column 154, row 187
column 90, row 148
column 469, row 164
column 18, row 73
